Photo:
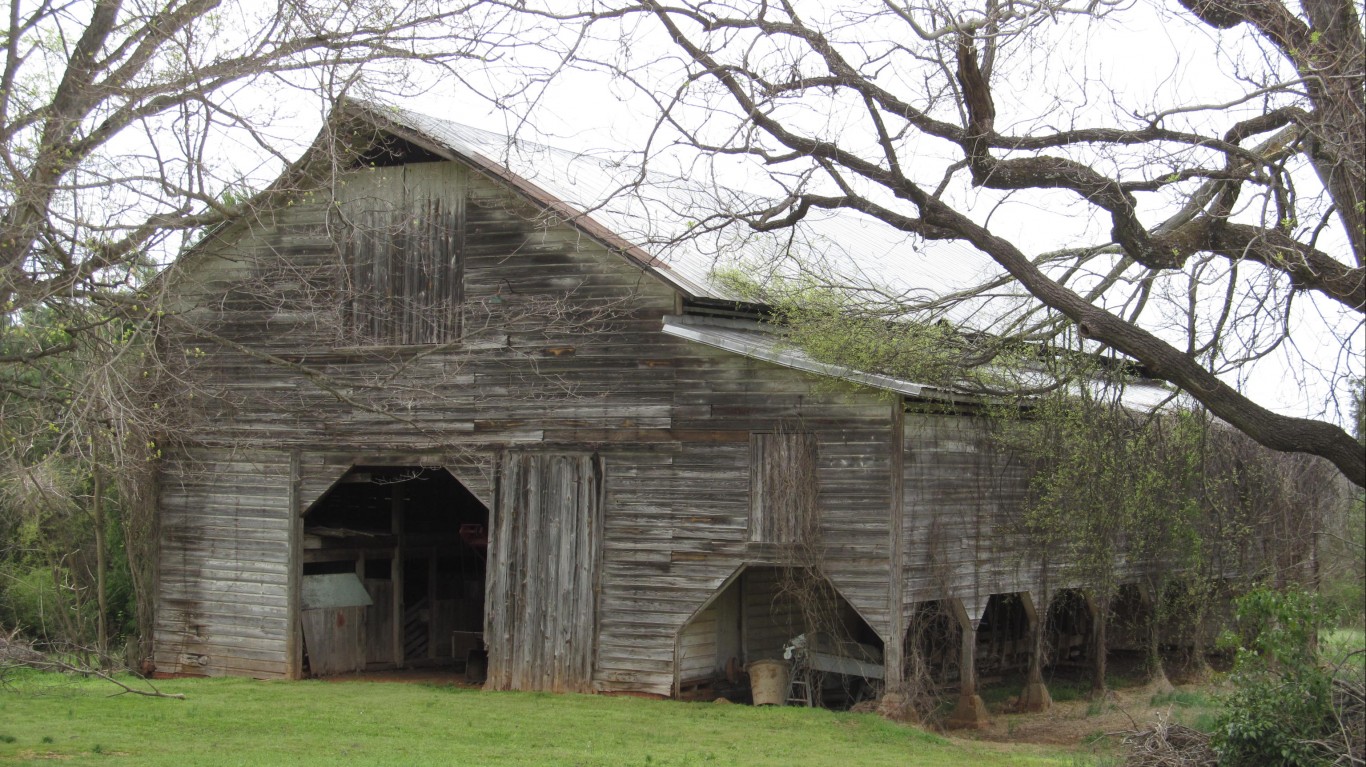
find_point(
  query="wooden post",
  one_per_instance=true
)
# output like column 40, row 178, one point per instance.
column 894, row 648
column 970, row 712
column 294, row 643
column 1035, row 695
column 396, row 568
column 1099, row 607
column 1149, row 594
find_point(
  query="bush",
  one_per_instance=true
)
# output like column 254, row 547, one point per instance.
column 31, row 601
column 1280, row 711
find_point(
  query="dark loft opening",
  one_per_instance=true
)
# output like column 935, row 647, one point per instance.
column 393, row 572
column 388, row 151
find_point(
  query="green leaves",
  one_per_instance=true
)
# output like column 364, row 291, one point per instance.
column 1281, row 703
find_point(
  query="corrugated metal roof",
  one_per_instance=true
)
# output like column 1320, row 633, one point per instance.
column 754, row 340
column 763, row 342
column 333, row 590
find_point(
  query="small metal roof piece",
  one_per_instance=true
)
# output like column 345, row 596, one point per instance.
column 332, row 590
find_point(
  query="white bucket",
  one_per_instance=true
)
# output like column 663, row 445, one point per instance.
column 768, row 682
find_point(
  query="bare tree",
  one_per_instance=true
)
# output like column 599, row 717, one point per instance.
column 1197, row 226
column 127, row 131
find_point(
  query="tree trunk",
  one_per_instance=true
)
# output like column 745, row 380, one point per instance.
column 101, row 563
column 1157, row 675
column 1100, row 609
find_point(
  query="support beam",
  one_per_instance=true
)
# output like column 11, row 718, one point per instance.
column 1098, row 605
column 894, row 653
column 970, row 712
column 396, row 567
column 294, row 642
column 1035, row 695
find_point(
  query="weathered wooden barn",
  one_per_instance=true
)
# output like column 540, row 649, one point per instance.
column 435, row 403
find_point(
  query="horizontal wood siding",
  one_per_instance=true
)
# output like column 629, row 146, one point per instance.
column 963, row 499
column 697, row 647
column 224, row 567
column 559, row 351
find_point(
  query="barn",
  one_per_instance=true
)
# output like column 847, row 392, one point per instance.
column 440, row 410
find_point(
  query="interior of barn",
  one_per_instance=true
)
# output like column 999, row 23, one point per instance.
column 393, row 569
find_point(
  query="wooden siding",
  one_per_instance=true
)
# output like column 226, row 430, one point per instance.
column 223, row 605
column 783, row 487
column 403, row 263
column 697, row 647
column 962, row 499
column 335, row 639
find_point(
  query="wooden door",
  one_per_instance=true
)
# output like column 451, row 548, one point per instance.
column 540, row 624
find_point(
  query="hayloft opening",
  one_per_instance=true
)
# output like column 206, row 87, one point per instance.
column 393, row 570
column 387, row 150
column 831, row 656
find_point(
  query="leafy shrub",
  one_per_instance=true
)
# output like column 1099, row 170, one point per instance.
column 1281, row 705
column 31, row 600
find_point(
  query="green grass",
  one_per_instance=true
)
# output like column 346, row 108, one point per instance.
column 242, row 722
column 1198, row 709
column 1343, row 645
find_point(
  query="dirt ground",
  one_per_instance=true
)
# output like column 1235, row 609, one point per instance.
column 1079, row 720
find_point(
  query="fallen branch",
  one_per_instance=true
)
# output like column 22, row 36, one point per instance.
column 1168, row 744
column 16, row 653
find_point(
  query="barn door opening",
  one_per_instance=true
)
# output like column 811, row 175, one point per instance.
column 394, row 564
column 773, row 614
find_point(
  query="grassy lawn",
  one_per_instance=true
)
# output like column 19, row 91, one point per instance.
column 242, row 722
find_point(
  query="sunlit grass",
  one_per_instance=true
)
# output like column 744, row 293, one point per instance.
column 242, row 722
column 1344, row 646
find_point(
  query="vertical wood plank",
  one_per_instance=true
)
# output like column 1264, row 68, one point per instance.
column 543, row 574
column 893, row 646
column 396, row 569
column 294, row 646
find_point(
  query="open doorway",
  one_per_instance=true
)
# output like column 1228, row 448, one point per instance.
column 1003, row 640
column 780, row 614
column 1068, row 630
column 393, row 569
column 934, row 641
